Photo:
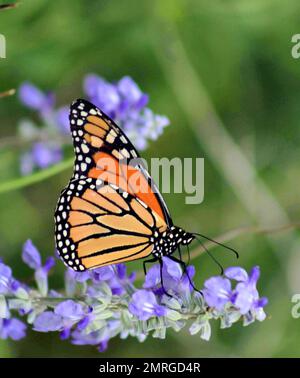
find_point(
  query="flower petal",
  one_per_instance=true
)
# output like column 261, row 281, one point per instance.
column 236, row 273
column 48, row 321
column 31, row 256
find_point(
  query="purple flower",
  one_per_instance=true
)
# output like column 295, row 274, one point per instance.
column 103, row 345
column 245, row 296
column 85, row 321
column 114, row 275
column 152, row 279
column 132, row 97
column 12, row 328
column 49, row 264
column 144, row 305
column 104, row 273
column 34, row 98
column 120, row 280
column 46, row 154
column 48, row 321
column 217, row 292
column 71, row 313
column 91, row 83
column 62, row 119
column 70, row 310
column 32, row 258
column 41, row 155
column 175, row 281
column 80, row 338
column 99, row 338
column 102, row 93
column 5, row 278
column 184, row 285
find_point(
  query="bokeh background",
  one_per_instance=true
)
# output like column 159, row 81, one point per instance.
column 223, row 72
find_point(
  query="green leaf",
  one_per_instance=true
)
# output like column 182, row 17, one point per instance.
column 24, row 181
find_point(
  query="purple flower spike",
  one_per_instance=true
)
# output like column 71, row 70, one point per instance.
column 217, row 292
column 48, row 321
column 31, row 256
column 144, row 305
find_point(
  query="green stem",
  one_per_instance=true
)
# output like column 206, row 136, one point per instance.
column 24, row 181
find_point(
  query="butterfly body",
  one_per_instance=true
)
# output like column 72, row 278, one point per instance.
column 111, row 211
column 166, row 243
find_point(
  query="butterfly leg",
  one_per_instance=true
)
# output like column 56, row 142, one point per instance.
column 162, row 279
column 189, row 256
column 148, row 262
column 179, row 253
column 184, row 268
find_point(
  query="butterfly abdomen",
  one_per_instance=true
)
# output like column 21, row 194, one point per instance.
column 167, row 242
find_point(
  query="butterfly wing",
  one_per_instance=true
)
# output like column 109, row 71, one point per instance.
column 98, row 224
column 111, row 211
column 102, row 150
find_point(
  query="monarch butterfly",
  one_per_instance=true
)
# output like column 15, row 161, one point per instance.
column 103, row 217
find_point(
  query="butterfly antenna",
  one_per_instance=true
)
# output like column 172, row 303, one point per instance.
column 212, row 257
column 218, row 243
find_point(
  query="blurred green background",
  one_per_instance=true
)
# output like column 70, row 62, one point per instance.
column 223, row 72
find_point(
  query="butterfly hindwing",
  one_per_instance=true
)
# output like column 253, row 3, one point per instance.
column 98, row 224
